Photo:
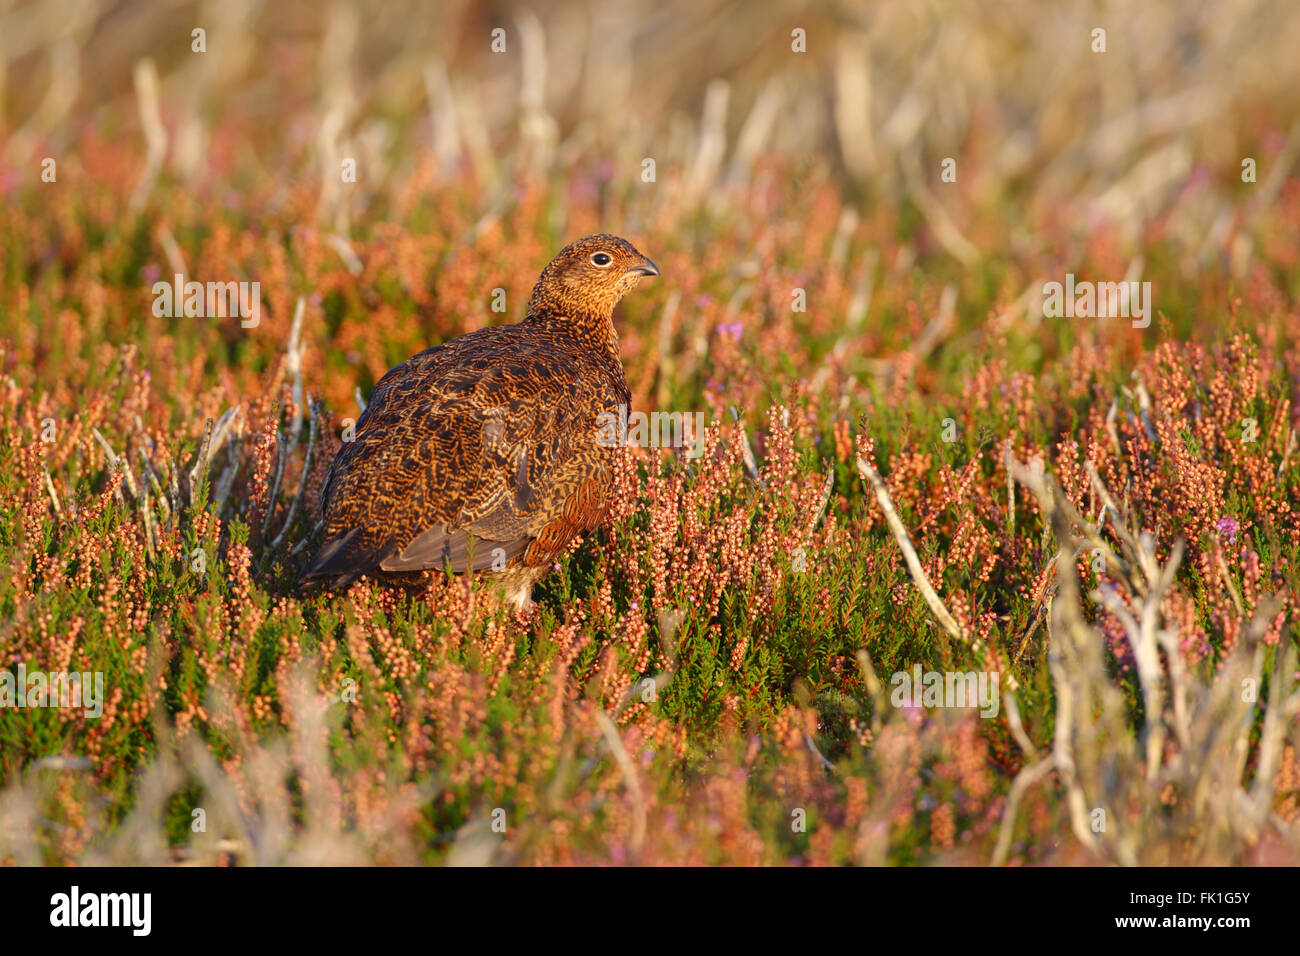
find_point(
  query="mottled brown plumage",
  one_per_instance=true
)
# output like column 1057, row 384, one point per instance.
column 481, row 454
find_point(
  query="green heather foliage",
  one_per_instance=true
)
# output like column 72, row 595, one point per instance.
column 707, row 679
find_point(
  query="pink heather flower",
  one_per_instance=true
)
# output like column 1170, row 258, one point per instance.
column 1228, row 527
column 913, row 713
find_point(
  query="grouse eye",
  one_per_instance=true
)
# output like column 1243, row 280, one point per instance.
column 601, row 259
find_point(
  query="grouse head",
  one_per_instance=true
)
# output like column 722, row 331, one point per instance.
column 588, row 277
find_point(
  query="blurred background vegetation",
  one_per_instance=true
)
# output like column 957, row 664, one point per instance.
column 884, row 92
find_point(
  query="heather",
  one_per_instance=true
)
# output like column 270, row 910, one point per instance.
column 907, row 462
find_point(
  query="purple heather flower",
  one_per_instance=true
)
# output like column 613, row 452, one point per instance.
column 1228, row 527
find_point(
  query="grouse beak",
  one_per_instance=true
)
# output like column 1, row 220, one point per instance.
column 645, row 268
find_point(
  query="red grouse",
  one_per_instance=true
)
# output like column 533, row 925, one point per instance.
column 481, row 454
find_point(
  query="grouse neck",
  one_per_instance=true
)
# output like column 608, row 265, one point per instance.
column 586, row 330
